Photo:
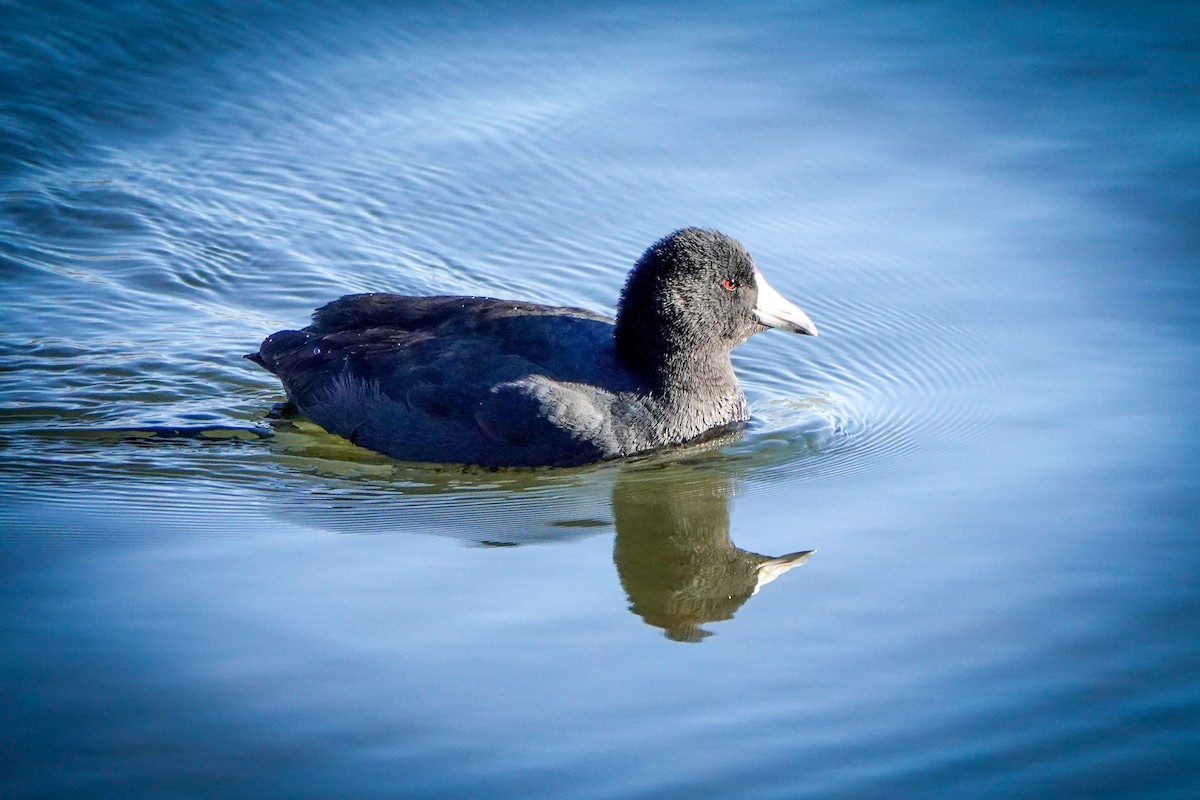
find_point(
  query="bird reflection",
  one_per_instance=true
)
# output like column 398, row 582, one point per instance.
column 674, row 556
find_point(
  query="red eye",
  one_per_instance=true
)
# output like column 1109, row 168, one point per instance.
column 730, row 284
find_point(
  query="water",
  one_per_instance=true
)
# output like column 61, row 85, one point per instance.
column 990, row 213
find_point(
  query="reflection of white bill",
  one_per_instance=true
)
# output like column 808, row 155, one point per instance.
column 770, row 570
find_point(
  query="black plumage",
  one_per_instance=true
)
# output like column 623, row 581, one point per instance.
column 506, row 383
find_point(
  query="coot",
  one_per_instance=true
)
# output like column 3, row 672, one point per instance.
column 502, row 383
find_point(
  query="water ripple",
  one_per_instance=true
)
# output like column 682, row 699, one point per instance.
column 275, row 190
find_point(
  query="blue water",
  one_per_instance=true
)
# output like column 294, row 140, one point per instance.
column 992, row 214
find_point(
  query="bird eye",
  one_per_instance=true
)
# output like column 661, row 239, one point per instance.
column 730, row 284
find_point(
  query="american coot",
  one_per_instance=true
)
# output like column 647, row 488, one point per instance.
column 472, row 380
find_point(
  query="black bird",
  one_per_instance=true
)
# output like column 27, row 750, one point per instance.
column 501, row 383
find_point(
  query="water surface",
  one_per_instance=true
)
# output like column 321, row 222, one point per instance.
column 992, row 448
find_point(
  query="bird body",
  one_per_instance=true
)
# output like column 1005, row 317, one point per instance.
column 508, row 383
